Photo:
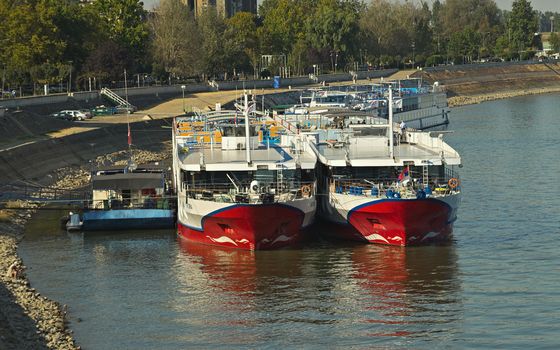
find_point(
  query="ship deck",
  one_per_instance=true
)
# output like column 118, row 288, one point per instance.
column 362, row 154
column 217, row 159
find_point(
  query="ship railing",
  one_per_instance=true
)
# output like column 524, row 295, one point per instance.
column 263, row 193
column 392, row 188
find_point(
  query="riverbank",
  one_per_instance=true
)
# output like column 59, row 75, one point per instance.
column 476, row 83
column 29, row 320
column 456, row 101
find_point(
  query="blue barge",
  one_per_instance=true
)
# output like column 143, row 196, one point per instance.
column 124, row 199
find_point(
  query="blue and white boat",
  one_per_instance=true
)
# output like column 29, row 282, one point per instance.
column 123, row 199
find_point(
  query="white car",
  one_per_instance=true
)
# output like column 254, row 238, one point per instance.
column 76, row 115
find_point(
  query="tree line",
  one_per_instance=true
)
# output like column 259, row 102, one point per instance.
column 71, row 45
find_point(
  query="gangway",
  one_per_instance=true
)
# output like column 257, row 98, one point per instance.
column 121, row 102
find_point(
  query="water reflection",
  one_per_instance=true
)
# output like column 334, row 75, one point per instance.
column 243, row 272
column 405, row 289
column 368, row 289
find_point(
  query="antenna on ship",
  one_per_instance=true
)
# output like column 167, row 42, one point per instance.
column 247, row 138
column 391, row 142
column 130, row 166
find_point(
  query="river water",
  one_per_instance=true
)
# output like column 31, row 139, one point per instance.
column 495, row 286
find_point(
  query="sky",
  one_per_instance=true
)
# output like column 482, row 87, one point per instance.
column 542, row 5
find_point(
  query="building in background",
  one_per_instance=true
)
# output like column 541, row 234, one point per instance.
column 226, row 8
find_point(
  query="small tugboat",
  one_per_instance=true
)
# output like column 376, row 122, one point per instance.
column 126, row 198
column 242, row 192
column 384, row 186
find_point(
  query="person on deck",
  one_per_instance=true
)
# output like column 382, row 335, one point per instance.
column 403, row 130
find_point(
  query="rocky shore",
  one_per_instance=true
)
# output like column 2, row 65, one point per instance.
column 29, row 320
column 463, row 100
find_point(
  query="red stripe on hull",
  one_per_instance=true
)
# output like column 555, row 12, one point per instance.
column 399, row 222
column 249, row 227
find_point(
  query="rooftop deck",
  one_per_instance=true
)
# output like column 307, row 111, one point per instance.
column 374, row 151
column 271, row 157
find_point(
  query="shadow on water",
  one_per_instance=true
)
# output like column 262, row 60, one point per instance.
column 17, row 330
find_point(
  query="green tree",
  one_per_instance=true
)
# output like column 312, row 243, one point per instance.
column 456, row 15
column 464, row 45
column 437, row 26
column 211, row 27
column 333, row 29
column 28, row 35
column 78, row 27
column 377, row 27
column 174, row 34
column 283, row 22
column 522, row 24
column 124, row 22
column 242, row 42
column 107, row 62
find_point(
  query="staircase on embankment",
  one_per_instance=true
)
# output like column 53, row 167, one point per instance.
column 119, row 101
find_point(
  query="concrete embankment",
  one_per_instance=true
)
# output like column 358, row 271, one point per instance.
column 475, row 83
column 33, row 161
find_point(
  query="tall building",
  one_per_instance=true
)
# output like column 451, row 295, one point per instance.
column 226, row 8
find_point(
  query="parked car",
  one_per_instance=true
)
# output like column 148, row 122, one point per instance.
column 76, row 115
column 87, row 112
column 102, row 110
column 61, row 115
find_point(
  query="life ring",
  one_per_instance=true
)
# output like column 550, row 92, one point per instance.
column 306, row 190
column 453, row 183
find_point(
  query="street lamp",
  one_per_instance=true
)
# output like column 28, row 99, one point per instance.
column 183, row 87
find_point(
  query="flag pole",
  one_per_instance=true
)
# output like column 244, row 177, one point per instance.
column 391, row 145
column 247, row 129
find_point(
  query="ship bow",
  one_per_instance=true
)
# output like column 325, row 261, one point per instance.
column 249, row 227
column 403, row 222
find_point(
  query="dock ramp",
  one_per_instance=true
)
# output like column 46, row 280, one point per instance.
column 121, row 102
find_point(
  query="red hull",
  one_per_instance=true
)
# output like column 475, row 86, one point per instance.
column 248, row 227
column 399, row 222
